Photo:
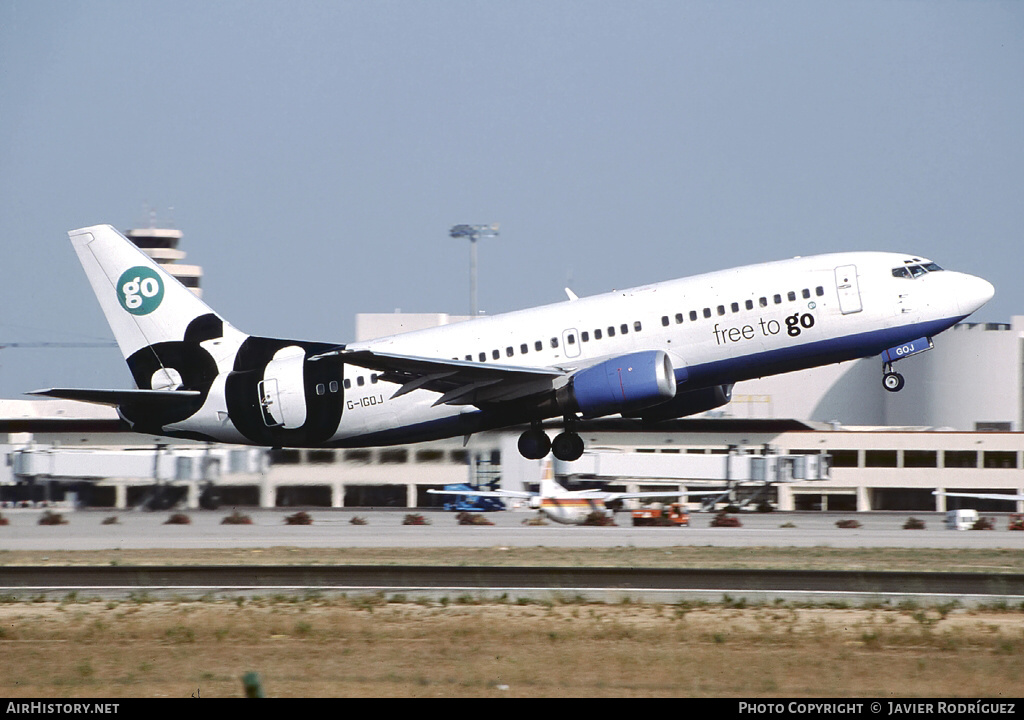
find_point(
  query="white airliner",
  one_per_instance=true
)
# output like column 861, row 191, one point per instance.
column 571, row 507
column 656, row 352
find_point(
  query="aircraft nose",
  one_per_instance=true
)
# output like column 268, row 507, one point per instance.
column 973, row 292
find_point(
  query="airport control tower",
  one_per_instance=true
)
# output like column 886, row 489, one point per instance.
column 161, row 244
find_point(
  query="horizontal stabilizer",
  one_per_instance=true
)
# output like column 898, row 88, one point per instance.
column 121, row 397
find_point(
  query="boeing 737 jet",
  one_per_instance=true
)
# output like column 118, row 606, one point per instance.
column 661, row 351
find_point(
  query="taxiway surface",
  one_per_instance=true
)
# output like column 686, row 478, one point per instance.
column 85, row 530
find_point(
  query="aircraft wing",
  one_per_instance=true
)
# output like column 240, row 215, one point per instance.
column 459, row 382
column 484, row 493
column 981, row 496
column 610, row 497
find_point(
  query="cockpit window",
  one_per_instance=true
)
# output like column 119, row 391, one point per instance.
column 914, row 271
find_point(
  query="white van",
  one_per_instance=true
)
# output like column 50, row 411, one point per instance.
column 961, row 519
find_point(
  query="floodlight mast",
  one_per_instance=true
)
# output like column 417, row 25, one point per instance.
column 473, row 232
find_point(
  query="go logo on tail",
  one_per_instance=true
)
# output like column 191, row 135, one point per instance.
column 140, row 290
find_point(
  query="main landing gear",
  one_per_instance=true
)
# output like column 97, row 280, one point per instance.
column 891, row 380
column 567, row 446
column 534, row 444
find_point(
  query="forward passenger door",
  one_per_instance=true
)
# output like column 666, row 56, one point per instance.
column 848, row 289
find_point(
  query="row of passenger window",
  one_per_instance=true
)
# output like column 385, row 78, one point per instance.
column 747, row 304
column 360, row 382
column 570, row 339
column 624, row 328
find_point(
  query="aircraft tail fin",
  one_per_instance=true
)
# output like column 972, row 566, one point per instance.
column 549, row 487
column 155, row 319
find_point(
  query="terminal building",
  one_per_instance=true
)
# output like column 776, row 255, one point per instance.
column 829, row 438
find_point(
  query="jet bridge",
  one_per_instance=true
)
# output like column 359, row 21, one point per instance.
column 193, row 467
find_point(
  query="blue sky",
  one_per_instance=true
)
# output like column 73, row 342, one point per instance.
column 315, row 153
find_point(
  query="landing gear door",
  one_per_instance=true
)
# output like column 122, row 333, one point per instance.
column 849, row 291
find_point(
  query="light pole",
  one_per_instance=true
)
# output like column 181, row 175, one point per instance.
column 473, row 232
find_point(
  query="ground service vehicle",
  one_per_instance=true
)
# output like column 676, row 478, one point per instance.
column 657, row 514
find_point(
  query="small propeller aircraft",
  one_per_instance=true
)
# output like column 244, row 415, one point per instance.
column 570, row 507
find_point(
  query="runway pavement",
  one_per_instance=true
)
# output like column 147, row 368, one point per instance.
column 85, row 530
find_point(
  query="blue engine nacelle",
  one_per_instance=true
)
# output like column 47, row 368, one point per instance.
column 624, row 384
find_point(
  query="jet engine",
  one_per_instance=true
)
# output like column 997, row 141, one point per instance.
column 624, row 384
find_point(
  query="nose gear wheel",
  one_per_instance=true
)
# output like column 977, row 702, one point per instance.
column 893, row 381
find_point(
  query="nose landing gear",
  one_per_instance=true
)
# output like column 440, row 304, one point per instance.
column 892, row 380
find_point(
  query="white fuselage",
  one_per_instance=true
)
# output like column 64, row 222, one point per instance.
column 727, row 342
column 573, row 508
